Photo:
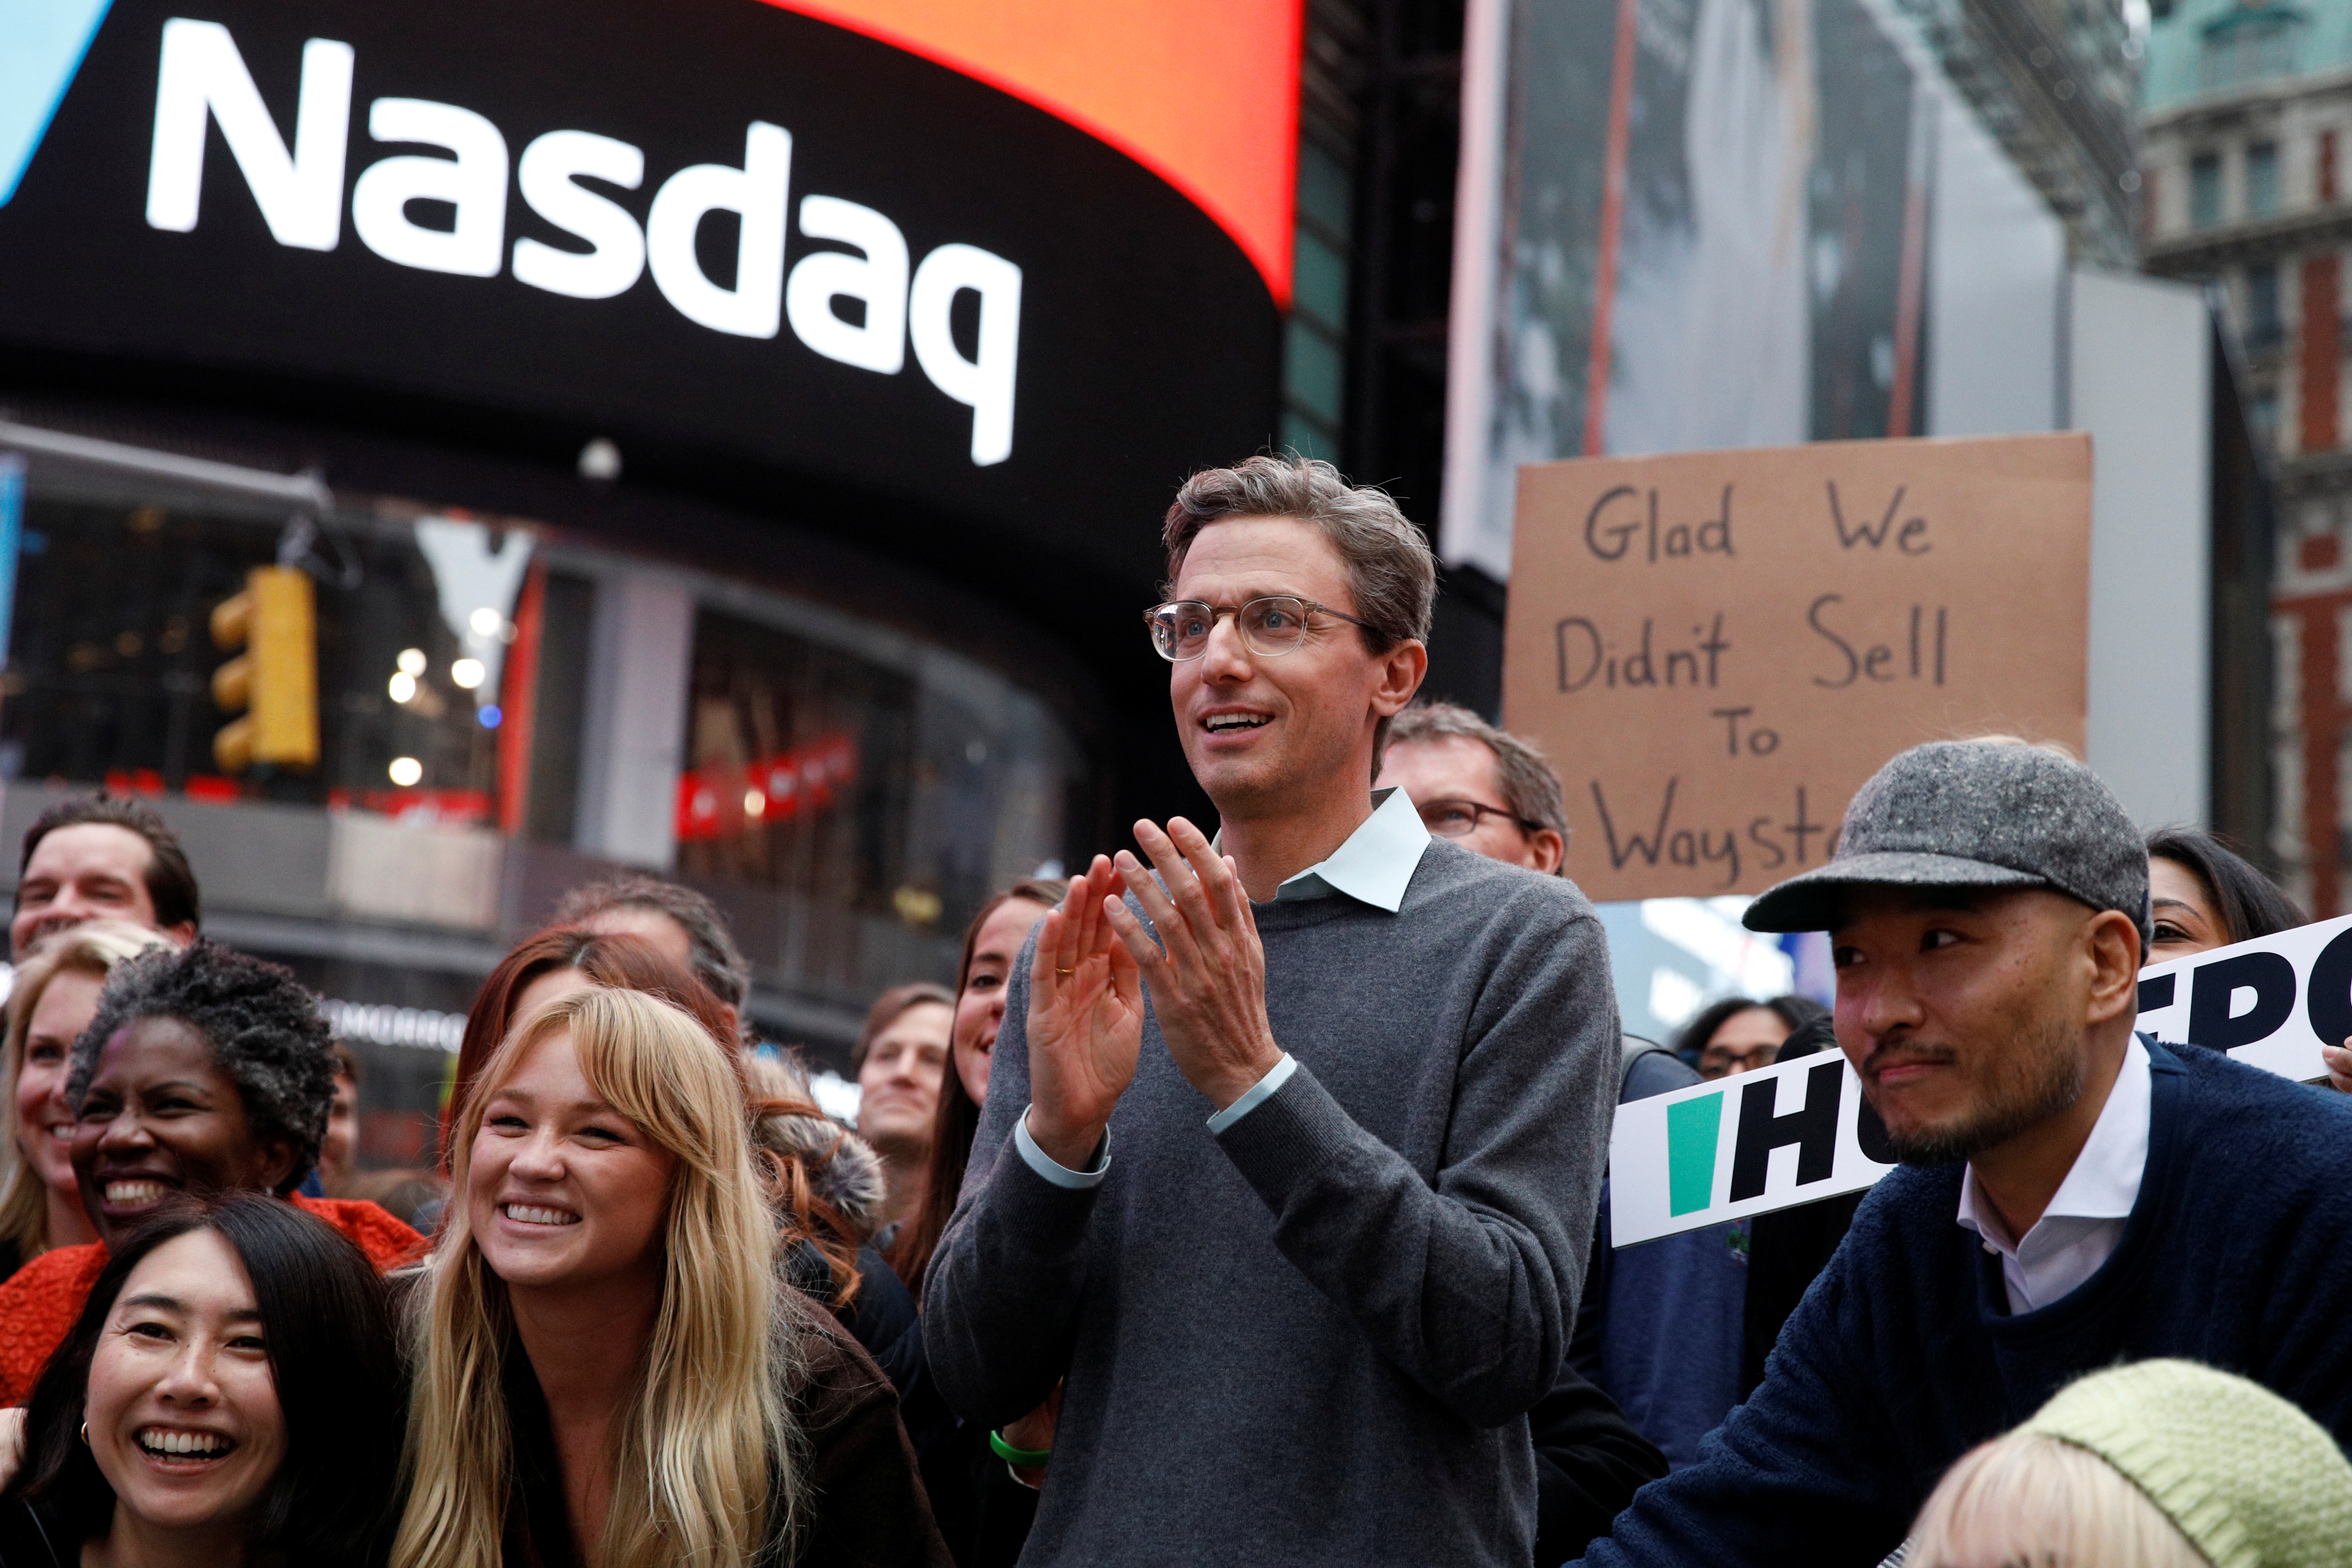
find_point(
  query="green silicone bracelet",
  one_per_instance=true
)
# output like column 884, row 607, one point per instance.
column 1026, row 1459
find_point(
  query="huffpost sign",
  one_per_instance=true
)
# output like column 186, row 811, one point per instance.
column 1799, row 1130
column 1716, row 1152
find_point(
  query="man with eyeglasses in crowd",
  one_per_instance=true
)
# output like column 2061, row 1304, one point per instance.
column 1660, row 1328
column 1483, row 787
column 1290, row 1154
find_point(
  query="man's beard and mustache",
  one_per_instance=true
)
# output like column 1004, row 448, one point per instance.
column 2039, row 1077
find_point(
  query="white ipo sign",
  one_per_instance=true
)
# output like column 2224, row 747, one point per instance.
column 1798, row 1130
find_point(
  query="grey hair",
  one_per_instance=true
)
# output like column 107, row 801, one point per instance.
column 264, row 1029
column 718, row 964
column 1391, row 573
column 1530, row 788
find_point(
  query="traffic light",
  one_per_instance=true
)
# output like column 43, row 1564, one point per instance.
column 276, row 679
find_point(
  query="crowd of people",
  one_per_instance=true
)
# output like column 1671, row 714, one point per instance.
column 1243, row 1200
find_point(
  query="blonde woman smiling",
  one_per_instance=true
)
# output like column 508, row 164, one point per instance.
column 53, row 1000
column 607, row 1371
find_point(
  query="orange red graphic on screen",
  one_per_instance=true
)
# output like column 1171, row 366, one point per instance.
column 1204, row 94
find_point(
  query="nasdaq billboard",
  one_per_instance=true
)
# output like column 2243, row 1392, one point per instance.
column 718, row 225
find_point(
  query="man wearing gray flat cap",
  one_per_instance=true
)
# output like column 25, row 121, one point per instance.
column 2071, row 1195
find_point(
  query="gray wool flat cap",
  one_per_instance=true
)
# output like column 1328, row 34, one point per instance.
column 1974, row 814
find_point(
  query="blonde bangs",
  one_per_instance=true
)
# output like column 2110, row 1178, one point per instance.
column 705, row 1467
column 2032, row 1499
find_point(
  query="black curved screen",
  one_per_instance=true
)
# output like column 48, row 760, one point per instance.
column 1144, row 344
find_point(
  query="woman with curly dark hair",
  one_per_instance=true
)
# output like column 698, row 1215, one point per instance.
column 230, row 1393
column 204, row 1072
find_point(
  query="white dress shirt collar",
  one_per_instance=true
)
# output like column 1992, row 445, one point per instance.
column 1375, row 863
column 2080, row 1229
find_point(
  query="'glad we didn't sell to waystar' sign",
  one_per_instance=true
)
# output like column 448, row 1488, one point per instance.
column 1716, row 648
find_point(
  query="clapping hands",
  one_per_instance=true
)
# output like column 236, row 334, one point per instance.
column 1205, row 970
column 1085, row 1020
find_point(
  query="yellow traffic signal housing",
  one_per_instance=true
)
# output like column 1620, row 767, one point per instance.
column 276, row 679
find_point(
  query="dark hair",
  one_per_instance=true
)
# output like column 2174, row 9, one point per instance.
column 1808, row 1039
column 2249, row 902
column 1792, row 1010
column 171, row 884
column 887, row 1007
column 332, row 1356
column 957, row 1122
column 623, row 963
column 718, row 961
column 264, row 1029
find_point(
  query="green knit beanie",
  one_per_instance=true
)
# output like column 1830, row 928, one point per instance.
column 2249, row 1479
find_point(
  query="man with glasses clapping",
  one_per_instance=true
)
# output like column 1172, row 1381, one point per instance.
column 1294, row 1135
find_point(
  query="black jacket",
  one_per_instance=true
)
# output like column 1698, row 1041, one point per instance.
column 1589, row 1461
column 32, row 1538
column 869, row 1511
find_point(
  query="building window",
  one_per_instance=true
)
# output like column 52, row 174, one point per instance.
column 2250, row 43
column 109, row 676
column 2265, row 329
column 2261, row 179
column 2262, row 414
column 2327, row 165
column 2205, row 190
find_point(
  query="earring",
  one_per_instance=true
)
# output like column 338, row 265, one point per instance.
column 84, row 1434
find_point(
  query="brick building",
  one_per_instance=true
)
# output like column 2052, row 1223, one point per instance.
column 2246, row 131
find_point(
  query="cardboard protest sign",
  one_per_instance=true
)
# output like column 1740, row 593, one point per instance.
column 1802, row 1130
column 1716, row 648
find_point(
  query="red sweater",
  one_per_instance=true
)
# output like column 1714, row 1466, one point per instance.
column 40, row 1303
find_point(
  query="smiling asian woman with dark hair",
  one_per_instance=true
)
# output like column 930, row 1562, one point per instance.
column 231, row 1394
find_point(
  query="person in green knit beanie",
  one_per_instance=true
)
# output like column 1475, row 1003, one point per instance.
column 2163, row 1464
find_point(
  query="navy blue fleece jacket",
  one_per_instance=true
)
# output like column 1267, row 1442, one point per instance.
column 1903, row 1354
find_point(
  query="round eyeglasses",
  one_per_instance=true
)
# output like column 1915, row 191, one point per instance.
column 1460, row 818
column 1270, row 627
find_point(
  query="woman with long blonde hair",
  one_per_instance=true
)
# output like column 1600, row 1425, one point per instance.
column 608, row 1370
column 53, row 998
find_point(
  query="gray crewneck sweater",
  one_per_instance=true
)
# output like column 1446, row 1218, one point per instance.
column 1313, row 1338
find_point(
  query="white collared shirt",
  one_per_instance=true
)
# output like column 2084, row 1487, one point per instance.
column 1376, row 863
column 1373, row 865
column 2080, row 1229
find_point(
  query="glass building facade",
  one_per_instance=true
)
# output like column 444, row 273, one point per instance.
column 738, row 456
column 846, row 793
